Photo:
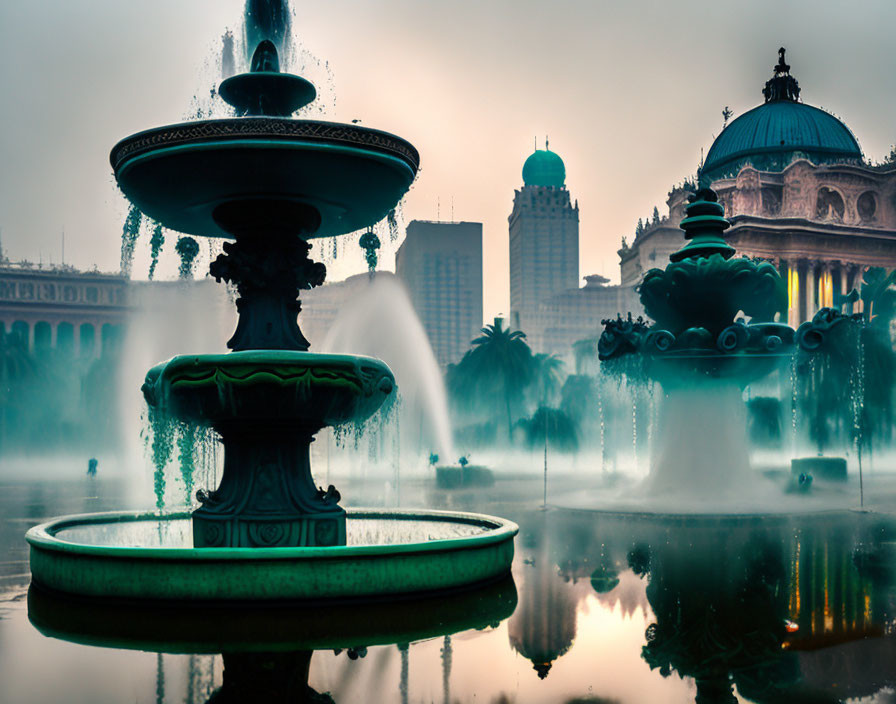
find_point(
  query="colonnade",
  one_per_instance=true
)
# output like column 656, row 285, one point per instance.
column 85, row 339
column 813, row 284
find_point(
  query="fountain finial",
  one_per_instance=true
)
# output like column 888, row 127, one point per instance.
column 265, row 91
column 265, row 58
column 703, row 226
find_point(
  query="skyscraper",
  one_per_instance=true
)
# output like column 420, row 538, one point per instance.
column 544, row 237
column 440, row 263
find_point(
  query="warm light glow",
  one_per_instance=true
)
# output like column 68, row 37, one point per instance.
column 826, row 297
column 795, row 583
column 793, row 295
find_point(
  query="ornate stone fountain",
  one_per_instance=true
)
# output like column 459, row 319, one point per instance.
column 268, row 183
column 702, row 351
column 694, row 302
column 271, row 183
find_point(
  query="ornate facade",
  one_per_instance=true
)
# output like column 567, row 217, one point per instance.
column 797, row 193
column 62, row 307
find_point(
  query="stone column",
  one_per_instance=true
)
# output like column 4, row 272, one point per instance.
column 843, row 286
column 809, row 289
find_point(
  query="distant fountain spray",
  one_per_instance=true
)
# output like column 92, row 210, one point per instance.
column 380, row 321
column 702, row 358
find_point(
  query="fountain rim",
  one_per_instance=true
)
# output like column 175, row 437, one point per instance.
column 218, row 145
column 231, row 131
column 43, row 536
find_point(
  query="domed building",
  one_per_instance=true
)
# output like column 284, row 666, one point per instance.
column 798, row 193
column 544, row 237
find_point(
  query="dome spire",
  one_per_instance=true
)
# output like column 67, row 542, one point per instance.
column 781, row 86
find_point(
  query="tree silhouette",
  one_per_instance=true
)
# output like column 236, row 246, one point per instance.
column 547, row 377
column 501, row 361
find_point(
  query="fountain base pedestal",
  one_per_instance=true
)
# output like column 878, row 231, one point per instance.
column 267, row 497
column 309, row 530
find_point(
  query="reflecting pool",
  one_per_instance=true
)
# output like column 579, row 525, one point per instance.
column 602, row 608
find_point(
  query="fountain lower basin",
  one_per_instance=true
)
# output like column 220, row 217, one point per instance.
column 144, row 556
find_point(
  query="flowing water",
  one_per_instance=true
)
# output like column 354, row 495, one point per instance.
column 379, row 321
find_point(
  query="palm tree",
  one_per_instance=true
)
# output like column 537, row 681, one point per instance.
column 578, row 398
column 547, row 376
column 501, row 357
column 551, row 424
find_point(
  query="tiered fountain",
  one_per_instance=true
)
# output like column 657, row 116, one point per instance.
column 702, row 354
column 269, row 183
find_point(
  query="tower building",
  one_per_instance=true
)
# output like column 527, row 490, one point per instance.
column 544, row 238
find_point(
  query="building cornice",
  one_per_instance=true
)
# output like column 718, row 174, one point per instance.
column 808, row 227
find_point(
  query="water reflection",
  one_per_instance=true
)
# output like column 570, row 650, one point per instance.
column 764, row 607
column 267, row 648
column 611, row 609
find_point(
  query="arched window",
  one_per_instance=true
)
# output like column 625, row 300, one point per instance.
column 866, row 206
column 43, row 335
column 20, row 332
column 111, row 338
column 829, row 205
column 65, row 338
column 88, row 340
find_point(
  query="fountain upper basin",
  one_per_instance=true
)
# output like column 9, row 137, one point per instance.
column 147, row 556
column 186, row 175
column 276, row 385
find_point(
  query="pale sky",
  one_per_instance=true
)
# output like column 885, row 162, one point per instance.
column 629, row 93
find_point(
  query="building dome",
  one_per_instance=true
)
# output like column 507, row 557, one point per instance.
column 770, row 136
column 544, row 168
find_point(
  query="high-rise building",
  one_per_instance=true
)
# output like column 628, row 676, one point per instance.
column 544, row 237
column 440, row 263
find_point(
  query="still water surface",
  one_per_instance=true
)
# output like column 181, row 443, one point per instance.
column 608, row 609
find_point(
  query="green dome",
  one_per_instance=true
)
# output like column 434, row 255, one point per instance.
column 770, row 135
column 544, row 168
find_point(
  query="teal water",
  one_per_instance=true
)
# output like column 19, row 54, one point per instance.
column 610, row 609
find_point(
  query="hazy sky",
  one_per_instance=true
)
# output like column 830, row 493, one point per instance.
column 629, row 93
